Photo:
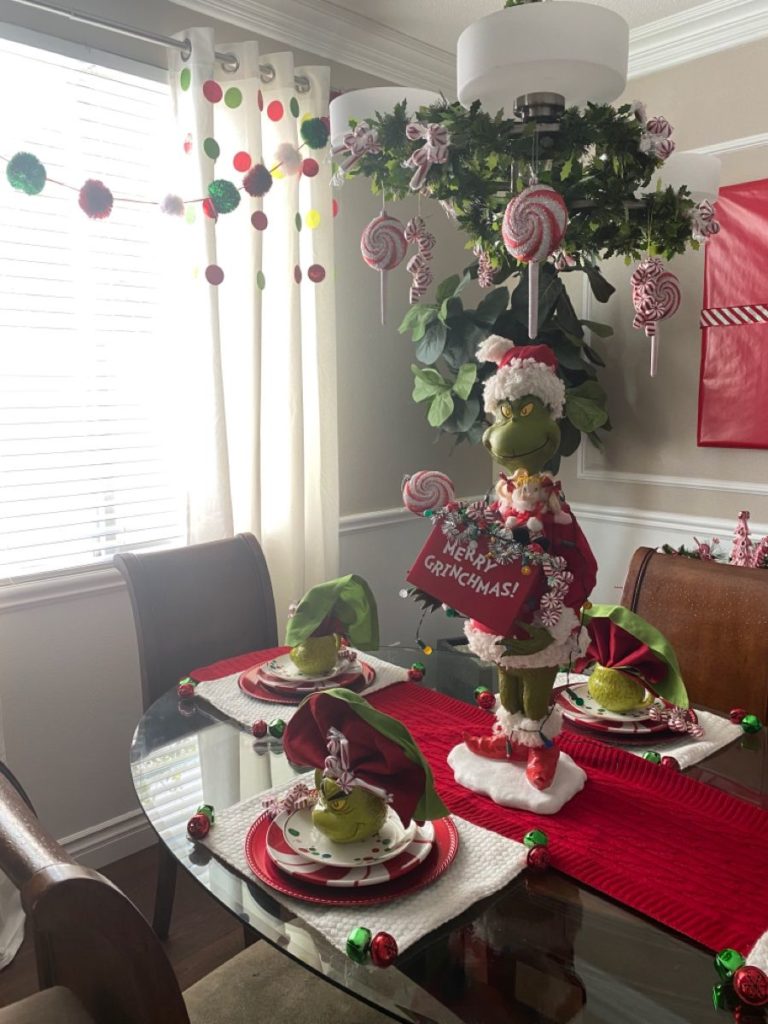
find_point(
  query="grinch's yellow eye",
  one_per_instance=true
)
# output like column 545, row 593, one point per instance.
column 338, row 804
column 527, row 409
column 506, row 410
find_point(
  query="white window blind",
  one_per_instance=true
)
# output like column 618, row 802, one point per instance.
column 86, row 462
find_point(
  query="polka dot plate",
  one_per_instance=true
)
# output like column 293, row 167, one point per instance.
column 304, row 838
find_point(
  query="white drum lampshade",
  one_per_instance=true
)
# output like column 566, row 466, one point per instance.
column 362, row 104
column 700, row 172
column 576, row 49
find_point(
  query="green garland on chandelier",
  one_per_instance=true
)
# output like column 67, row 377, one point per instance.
column 597, row 161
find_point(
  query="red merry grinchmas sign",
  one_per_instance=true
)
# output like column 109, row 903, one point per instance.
column 733, row 380
column 463, row 574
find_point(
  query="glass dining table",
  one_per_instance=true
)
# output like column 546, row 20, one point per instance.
column 543, row 949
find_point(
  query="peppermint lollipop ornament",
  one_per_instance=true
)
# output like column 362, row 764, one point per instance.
column 383, row 246
column 655, row 297
column 533, row 227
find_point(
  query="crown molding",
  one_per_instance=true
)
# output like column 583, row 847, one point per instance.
column 734, row 145
column 349, row 38
column 343, row 36
column 708, row 28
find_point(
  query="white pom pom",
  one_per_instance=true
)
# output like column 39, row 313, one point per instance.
column 172, row 205
column 494, row 348
column 289, row 158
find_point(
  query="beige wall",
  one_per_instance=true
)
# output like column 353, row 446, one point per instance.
column 710, row 101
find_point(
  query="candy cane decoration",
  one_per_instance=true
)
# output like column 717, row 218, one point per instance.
column 655, row 297
column 437, row 139
column 704, row 222
column 416, row 233
column 383, row 247
column 534, row 225
column 356, row 144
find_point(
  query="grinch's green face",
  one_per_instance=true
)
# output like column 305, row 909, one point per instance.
column 524, row 435
column 347, row 817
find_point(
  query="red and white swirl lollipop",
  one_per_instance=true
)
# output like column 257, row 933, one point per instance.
column 655, row 297
column 427, row 491
column 383, row 246
column 534, row 225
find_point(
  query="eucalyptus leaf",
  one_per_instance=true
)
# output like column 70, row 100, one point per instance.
column 464, row 416
column 427, row 383
column 417, row 315
column 463, row 338
column 570, row 438
column 593, row 356
column 585, row 406
column 465, row 379
column 492, row 306
column 601, row 289
column 601, row 330
column 430, row 347
column 447, row 288
column 440, row 409
column 451, row 308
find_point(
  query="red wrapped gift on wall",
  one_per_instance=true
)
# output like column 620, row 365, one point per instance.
column 733, row 381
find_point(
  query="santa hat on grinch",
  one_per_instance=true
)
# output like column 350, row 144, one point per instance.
column 523, row 370
column 340, row 733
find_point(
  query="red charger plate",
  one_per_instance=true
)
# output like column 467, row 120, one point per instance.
column 250, row 682
column 444, row 850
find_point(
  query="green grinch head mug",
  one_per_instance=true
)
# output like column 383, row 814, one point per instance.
column 618, row 691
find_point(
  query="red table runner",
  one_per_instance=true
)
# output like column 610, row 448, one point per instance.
column 683, row 853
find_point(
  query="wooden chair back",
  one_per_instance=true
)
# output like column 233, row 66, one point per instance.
column 716, row 618
column 88, row 936
column 196, row 605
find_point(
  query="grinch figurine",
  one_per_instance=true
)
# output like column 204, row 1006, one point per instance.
column 526, row 398
column 364, row 761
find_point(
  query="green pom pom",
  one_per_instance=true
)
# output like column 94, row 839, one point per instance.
column 26, row 173
column 314, row 131
column 225, row 197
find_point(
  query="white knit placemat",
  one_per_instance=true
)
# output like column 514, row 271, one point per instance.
column 485, row 862
column 687, row 750
column 227, row 697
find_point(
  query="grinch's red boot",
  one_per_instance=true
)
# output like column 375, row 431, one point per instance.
column 496, row 748
column 542, row 765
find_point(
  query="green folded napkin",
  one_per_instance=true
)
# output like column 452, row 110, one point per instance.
column 345, row 606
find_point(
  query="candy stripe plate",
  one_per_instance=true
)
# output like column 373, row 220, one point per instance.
column 439, row 858
column 251, row 683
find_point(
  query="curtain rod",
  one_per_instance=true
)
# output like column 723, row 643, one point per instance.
column 229, row 61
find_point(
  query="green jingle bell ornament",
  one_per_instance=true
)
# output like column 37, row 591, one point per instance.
column 277, row 728
column 751, row 724
column 536, row 837
column 727, row 961
column 358, row 944
column 653, row 756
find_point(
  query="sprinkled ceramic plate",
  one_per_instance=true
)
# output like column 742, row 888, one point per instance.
column 438, row 859
column 592, row 709
column 251, row 683
column 303, row 838
column 587, row 719
column 357, row 670
column 282, row 669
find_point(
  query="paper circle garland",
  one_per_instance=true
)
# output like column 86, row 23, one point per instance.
column 95, row 199
column 427, row 490
column 534, row 223
column 224, row 196
column 315, row 132
column 26, row 173
column 383, row 243
column 258, row 181
column 214, row 274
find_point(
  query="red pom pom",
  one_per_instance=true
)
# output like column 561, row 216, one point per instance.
column 95, row 199
column 736, row 715
column 258, row 181
column 259, row 728
column 383, row 949
column 185, row 690
column 751, row 985
column 539, row 858
column 198, row 826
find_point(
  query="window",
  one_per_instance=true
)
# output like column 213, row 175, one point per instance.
column 86, row 460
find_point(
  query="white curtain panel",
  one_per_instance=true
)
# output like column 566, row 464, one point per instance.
column 255, row 356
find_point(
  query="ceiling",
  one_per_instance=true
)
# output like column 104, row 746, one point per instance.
column 440, row 22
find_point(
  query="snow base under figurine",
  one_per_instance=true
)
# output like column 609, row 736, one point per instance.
column 505, row 782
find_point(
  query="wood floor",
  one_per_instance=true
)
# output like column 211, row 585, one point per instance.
column 203, row 935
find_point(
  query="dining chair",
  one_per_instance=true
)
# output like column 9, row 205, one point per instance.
column 99, row 962
column 193, row 606
column 716, row 618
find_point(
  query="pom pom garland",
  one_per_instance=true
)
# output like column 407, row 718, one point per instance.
column 173, row 205
column 258, row 181
column 95, row 199
column 315, row 132
column 26, row 173
column 288, row 158
column 224, row 196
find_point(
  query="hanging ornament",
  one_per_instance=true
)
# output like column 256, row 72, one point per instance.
column 95, row 199
column 26, row 173
column 288, row 159
column 655, row 297
column 172, row 205
column 703, row 221
column 224, row 196
column 258, row 181
column 427, row 491
column 356, row 144
column 383, row 247
column 315, row 132
column 437, row 139
column 534, row 225
column 416, row 233
column 484, row 267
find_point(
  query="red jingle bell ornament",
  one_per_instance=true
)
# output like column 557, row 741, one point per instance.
column 751, row 985
column 736, row 715
column 259, row 729
column 198, row 826
column 383, row 949
column 539, row 858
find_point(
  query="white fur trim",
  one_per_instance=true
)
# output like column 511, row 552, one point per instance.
column 565, row 626
column 525, row 377
column 493, row 349
column 529, row 732
column 484, row 646
column 507, row 722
